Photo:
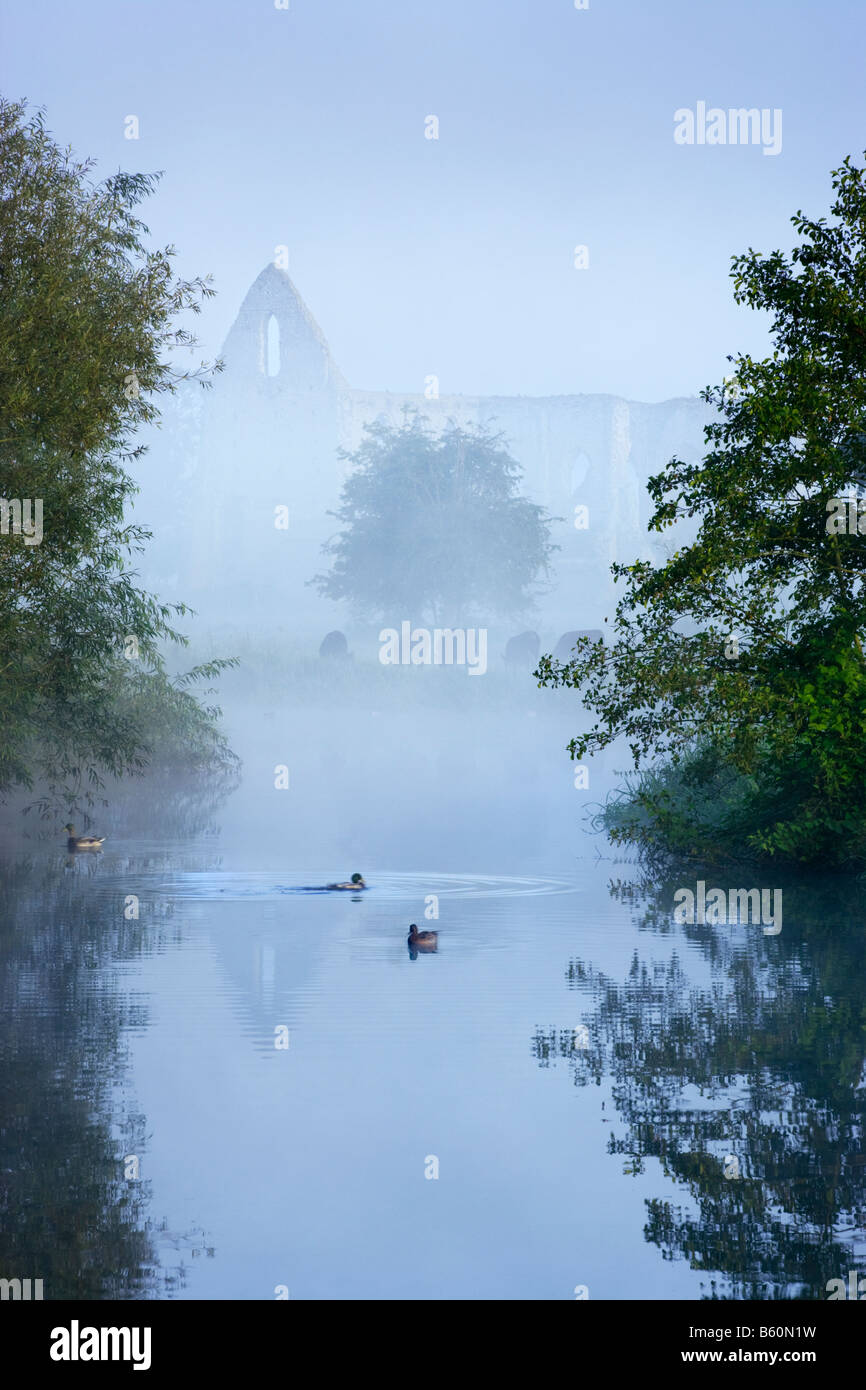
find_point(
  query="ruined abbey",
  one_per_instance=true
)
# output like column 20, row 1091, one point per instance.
column 253, row 466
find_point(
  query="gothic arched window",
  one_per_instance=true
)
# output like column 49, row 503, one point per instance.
column 579, row 470
column 272, row 347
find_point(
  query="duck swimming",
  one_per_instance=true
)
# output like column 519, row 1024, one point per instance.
column 422, row 940
column 357, row 882
column 75, row 842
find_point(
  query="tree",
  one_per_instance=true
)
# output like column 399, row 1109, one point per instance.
column 87, row 317
column 742, row 656
column 435, row 527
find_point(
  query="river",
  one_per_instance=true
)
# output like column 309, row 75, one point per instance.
column 219, row 1087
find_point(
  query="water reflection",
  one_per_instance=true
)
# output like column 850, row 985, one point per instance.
column 75, row 1210
column 144, row 988
column 69, row 1215
column 746, row 1085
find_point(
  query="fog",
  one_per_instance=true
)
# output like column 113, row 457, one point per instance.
column 467, row 237
column 240, row 480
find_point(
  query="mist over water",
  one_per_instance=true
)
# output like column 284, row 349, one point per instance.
column 578, row 1066
column 470, row 283
column 252, row 1084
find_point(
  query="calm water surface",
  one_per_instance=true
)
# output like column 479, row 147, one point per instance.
column 580, row 1069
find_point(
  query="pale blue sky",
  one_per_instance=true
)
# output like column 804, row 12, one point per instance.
column 455, row 257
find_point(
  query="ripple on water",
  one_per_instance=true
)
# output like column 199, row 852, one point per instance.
column 393, row 887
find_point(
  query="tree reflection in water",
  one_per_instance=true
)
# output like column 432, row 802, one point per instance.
column 69, row 1215
column 757, row 1067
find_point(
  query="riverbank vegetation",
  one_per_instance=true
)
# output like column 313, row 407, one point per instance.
column 89, row 321
column 737, row 673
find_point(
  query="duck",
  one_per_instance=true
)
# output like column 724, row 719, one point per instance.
column 357, row 881
column 76, row 842
column 422, row 940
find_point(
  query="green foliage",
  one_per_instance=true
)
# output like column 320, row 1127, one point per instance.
column 803, row 803
column 788, row 710
column 695, row 807
column 87, row 318
column 435, row 527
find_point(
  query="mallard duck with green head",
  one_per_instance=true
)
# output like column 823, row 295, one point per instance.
column 356, row 882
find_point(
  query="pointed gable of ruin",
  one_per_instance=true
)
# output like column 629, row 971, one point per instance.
column 276, row 339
